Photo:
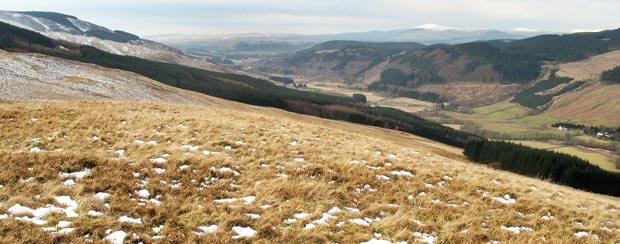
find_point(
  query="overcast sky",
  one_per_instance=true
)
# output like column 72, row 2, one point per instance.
column 151, row 17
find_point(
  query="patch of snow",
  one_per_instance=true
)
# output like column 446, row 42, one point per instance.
column 208, row 229
column 67, row 201
column 243, row 232
column 35, row 150
column 29, row 179
column 130, row 220
column 63, row 224
column 225, row 200
column 248, row 199
column 158, row 160
column 402, row 172
column 225, row 170
column 359, row 221
column 324, row 218
column 299, row 160
column 65, row 230
column 506, row 199
column 301, row 215
column 377, row 241
column 75, row 175
column 35, row 221
column 155, row 201
column 547, row 217
column 424, row 238
column 383, row 177
column 183, row 167
column 102, row 196
column 69, row 183
column 159, row 228
column 516, row 229
column 309, row 226
column 144, row 193
column 159, row 171
column 138, row 141
column 94, row 213
column 191, row 148
column 253, row 215
column 581, row 234
column 117, row 237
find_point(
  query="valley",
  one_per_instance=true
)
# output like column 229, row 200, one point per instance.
column 427, row 134
column 502, row 121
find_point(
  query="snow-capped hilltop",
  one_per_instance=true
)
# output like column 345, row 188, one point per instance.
column 436, row 27
column 46, row 22
column 72, row 29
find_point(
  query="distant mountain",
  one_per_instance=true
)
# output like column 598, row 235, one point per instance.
column 237, row 49
column 70, row 28
column 430, row 34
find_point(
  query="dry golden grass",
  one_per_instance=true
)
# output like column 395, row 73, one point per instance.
column 592, row 105
column 591, row 68
column 341, row 167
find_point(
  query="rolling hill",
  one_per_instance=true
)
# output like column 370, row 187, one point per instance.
column 37, row 77
column 505, row 63
column 126, row 171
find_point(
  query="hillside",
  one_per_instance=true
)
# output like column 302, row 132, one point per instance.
column 503, row 63
column 70, row 28
column 596, row 105
column 36, row 77
column 236, row 87
column 344, row 61
column 595, row 102
column 183, row 173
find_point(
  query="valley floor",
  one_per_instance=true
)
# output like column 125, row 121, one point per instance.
column 89, row 171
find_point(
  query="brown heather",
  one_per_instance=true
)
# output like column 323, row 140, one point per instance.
column 266, row 150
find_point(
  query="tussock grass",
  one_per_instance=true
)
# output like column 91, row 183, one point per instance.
column 258, row 152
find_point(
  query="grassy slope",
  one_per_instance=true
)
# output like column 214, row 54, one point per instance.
column 459, row 204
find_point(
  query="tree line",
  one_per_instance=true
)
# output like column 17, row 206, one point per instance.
column 557, row 167
column 611, row 76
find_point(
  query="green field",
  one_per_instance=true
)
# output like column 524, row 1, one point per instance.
column 503, row 110
column 510, row 121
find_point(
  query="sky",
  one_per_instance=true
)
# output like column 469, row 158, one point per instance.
column 157, row 17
